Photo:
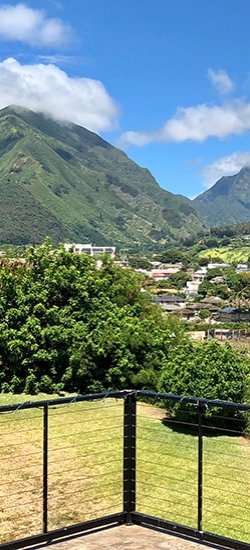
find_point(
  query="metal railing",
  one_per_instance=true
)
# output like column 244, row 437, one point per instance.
column 71, row 465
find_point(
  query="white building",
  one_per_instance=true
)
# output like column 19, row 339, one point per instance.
column 242, row 268
column 90, row 249
column 218, row 266
column 197, row 278
column 192, row 288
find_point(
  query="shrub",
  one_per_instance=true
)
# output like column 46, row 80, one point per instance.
column 210, row 370
column 31, row 384
column 46, row 384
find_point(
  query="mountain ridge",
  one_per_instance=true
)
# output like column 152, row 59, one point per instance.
column 67, row 182
column 227, row 202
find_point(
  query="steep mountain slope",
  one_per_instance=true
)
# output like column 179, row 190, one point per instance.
column 66, row 182
column 227, row 202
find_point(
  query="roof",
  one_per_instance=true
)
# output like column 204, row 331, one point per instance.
column 168, row 299
column 172, row 307
column 230, row 309
column 187, row 311
column 211, row 300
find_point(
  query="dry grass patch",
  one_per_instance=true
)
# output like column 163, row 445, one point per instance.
column 85, row 466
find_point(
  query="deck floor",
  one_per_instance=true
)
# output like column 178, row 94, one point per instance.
column 127, row 538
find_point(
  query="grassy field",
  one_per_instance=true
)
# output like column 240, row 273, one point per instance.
column 229, row 254
column 85, row 470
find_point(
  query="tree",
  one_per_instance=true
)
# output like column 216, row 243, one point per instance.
column 204, row 313
column 206, row 288
column 209, row 369
column 178, row 280
column 140, row 262
column 70, row 324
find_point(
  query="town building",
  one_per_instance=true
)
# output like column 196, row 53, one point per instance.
column 90, row 249
column 218, row 266
column 234, row 314
column 242, row 268
column 192, row 286
column 169, row 303
column 163, row 272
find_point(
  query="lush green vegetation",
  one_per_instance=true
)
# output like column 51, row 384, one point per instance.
column 233, row 286
column 239, row 229
column 226, row 202
column 216, row 247
column 72, row 185
column 68, row 324
column 233, row 253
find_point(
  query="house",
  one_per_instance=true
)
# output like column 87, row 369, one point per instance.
column 187, row 314
column 242, row 268
column 215, row 300
column 90, row 249
column 200, row 274
column 218, row 266
column 163, row 272
column 198, row 335
column 192, row 286
column 217, row 280
column 172, row 308
column 165, row 301
column 233, row 314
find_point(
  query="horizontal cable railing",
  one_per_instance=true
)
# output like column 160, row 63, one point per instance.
column 71, row 464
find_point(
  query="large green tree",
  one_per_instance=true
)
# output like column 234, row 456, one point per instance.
column 69, row 323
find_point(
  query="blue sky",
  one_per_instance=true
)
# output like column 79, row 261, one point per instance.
column 166, row 80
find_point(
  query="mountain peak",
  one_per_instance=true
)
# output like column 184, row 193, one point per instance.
column 70, row 184
column 244, row 170
column 227, row 202
column 16, row 109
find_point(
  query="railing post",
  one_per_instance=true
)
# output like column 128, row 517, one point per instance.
column 200, row 466
column 45, row 468
column 129, row 455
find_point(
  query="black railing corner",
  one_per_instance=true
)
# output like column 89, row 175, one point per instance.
column 129, row 457
column 45, row 468
column 200, row 466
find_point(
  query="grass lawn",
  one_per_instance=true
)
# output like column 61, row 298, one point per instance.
column 167, row 477
column 85, row 470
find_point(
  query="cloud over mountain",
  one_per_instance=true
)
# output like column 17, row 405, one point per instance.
column 225, row 166
column 46, row 88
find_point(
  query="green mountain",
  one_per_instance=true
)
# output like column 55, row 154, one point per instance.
column 64, row 181
column 227, row 202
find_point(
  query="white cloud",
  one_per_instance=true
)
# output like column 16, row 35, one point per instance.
column 48, row 89
column 57, row 58
column 197, row 123
column 221, row 81
column 31, row 26
column 224, row 166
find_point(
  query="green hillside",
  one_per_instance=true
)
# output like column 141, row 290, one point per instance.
column 66, row 182
column 227, row 202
